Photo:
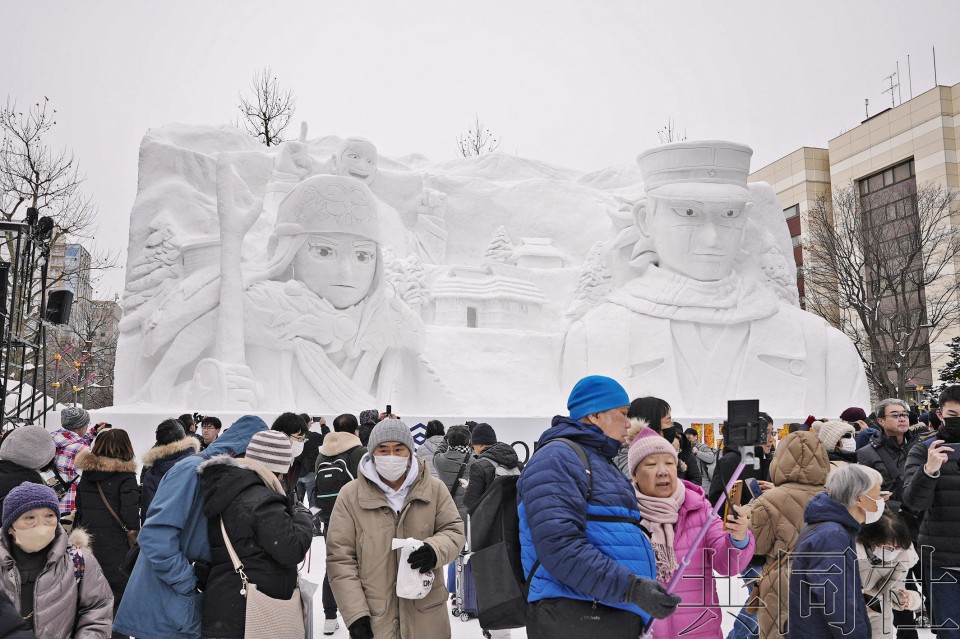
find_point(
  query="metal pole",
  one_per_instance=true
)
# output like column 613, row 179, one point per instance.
column 909, row 76
column 899, row 94
column 935, row 83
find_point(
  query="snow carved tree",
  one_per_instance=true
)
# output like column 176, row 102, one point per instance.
column 500, row 248
column 593, row 283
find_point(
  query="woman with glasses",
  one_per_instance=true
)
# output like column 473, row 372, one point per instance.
column 293, row 426
column 838, row 439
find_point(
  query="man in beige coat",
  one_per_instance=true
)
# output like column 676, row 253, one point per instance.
column 799, row 471
column 393, row 496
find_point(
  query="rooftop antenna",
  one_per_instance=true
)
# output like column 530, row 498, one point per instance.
column 909, row 76
column 893, row 85
column 866, row 107
column 899, row 95
column 935, row 67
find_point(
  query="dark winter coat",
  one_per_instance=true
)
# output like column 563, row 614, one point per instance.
column 884, row 455
column 12, row 625
column 585, row 560
column 938, row 498
column 826, row 566
column 305, row 463
column 448, row 465
column 118, row 480
column 156, row 462
column 692, row 474
column 428, row 449
column 724, row 471
column 12, row 475
column 269, row 536
column 484, row 470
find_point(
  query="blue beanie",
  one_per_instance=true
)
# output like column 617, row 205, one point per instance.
column 28, row 496
column 596, row 394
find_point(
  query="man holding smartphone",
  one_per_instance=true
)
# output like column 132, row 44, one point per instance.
column 932, row 486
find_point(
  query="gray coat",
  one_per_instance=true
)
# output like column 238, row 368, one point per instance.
column 56, row 614
column 428, row 449
column 448, row 464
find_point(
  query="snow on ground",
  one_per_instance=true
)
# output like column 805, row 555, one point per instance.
column 730, row 589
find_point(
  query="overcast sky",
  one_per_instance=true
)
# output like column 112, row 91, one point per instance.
column 584, row 84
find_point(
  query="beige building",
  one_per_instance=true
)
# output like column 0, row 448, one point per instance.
column 914, row 142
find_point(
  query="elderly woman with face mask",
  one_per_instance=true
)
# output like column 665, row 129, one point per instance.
column 674, row 511
column 394, row 496
column 826, row 592
column 55, row 581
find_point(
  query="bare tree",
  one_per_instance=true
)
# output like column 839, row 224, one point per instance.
column 878, row 266
column 93, row 333
column 267, row 109
column 670, row 134
column 477, row 141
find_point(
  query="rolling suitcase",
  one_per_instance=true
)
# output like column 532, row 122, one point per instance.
column 466, row 593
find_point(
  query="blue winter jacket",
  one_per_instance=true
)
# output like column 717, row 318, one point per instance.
column 580, row 559
column 161, row 599
column 826, row 594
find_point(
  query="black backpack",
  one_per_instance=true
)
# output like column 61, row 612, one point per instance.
column 495, row 541
column 332, row 474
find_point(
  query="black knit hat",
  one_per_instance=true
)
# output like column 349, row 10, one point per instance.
column 483, row 435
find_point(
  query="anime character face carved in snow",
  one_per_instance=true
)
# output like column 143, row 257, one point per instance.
column 357, row 158
column 338, row 267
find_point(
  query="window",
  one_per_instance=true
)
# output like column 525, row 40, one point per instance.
column 793, row 211
column 471, row 317
column 887, row 177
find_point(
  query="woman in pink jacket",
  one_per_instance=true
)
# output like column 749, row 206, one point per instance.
column 674, row 510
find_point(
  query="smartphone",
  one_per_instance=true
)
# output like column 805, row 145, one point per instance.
column 754, row 487
column 735, row 494
column 952, row 451
column 389, row 410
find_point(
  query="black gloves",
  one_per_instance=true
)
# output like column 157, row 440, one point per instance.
column 651, row 596
column 423, row 558
column 360, row 629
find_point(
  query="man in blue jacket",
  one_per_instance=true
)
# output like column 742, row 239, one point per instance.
column 592, row 566
column 161, row 600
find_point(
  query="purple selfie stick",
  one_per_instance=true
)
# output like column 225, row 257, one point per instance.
column 678, row 573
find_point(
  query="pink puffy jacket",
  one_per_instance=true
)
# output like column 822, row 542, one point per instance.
column 699, row 616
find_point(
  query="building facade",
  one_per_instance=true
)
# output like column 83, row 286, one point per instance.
column 885, row 159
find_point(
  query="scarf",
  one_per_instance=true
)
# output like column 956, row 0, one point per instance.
column 658, row 515
column 462, row 449
column 666, row 295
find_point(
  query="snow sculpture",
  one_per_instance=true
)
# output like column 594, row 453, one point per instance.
column 691, row 327
column 500, row 249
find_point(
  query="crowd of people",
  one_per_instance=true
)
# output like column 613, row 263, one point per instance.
column 846, row 527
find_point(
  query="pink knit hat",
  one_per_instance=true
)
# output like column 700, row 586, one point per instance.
column 647, row 442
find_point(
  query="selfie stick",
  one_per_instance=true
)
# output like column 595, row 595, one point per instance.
column 678, row 573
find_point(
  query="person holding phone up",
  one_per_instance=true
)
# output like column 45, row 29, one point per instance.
column 932, row 486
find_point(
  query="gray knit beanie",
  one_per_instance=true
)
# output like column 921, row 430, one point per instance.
column 28, row 446
column 390, row 430
column 273, row 449
column 74, row 418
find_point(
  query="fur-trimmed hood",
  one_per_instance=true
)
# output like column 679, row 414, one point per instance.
column 335, row 443
column 80, row 538
column 636, row 425
column 155, row 454
column 86, row 461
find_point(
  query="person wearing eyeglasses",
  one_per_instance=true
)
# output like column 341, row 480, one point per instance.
column 838, row 439
column 887, row 450
column 291, row 425
column 210, row 428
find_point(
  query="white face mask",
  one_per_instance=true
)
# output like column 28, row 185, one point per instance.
column 848, row 445
column 391, row 467
column 873, row 517
column 297, row 448
column 890, row 555
column 34, row 539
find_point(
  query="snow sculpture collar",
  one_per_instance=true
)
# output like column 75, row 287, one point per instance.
column 659, row 293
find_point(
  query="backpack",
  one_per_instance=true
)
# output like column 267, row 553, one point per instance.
column 332, row 475
column 495, row 541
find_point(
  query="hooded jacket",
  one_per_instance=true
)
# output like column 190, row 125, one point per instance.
column 699, row 614
column 363, row 569
column 118, row 480
column 428, row 449
column 938, row 498
column 62, row 608
column 484, row 469
column 156, row 462
column 799, row 471
column 269, row 536
column 161, row 600
column 826, row 594
column 580, row 559
column 337, row 443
